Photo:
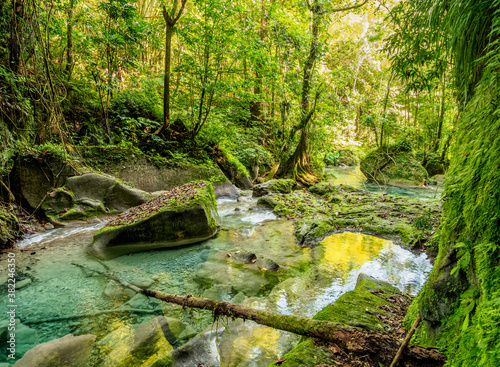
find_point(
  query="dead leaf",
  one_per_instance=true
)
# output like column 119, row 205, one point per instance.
column 280, row 361
column 335, row 349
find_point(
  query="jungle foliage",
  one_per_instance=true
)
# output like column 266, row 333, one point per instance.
column 271, row 81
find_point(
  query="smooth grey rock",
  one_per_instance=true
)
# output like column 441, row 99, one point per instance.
column 226, row 189
column 23, row 283
column 200, row 350
column 69, row 351
column 120, row 197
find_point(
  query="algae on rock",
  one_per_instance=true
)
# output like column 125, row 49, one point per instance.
column 364, row 307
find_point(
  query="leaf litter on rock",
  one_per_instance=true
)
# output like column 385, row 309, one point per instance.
column 181, row 195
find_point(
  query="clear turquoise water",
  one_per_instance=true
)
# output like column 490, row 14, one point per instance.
column 62, row 290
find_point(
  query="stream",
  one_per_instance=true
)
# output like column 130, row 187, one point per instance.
column 62, row 298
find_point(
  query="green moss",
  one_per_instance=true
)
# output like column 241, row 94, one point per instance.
column 240, row 168
column 9, row 227
column 460, row 302
column 346, row 208
column 80, row 213
column 358, row 307
column 394, row 166
column 203, row 195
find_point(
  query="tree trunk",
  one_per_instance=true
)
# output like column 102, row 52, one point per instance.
column 256, row 106
column 15, row 47
column 350, row 338
column 298, row 164
column 69, row 43
column 441, row 116
column 171, row 18
column 166, row 90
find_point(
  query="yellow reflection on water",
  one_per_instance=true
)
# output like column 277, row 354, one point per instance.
column 258, row 342
column 342, row 252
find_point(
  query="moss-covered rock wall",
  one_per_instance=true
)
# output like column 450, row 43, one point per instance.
column 460, row 304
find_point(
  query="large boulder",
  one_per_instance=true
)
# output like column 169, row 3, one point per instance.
column 393, row 167
column 35, row 173
column 147, row 176
column 69, row 351
column 91, row 194
column 184, row 215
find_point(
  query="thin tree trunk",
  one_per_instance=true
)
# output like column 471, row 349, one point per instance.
column 171, row 18
column 69, row 43
column 384, row 111
column 166, row 94
column 256, row 105
column 441, row 116
column 15, row 47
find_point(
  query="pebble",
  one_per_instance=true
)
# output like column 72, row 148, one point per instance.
column 23, row 283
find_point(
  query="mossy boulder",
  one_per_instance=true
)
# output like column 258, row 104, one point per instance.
column 185, row 215
column 393, row 167
column 273, row 186
column 364, row 307
column 92, row 194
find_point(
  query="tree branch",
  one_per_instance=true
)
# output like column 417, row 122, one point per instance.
column 181, row 10
column 349, row 7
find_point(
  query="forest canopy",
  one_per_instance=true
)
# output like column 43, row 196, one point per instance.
column 270, row 82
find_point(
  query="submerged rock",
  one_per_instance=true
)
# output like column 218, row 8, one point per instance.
column 149, row 344
column 200, row 351
column 69, row 351
column 185, row 215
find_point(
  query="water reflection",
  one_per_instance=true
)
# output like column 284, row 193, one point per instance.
column 352, row 176
column 342, row 252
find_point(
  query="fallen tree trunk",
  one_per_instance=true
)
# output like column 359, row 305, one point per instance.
column 352, row 339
